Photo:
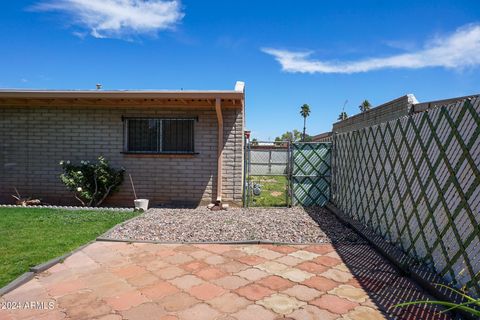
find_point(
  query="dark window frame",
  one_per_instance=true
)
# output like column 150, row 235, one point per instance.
column 160, row 135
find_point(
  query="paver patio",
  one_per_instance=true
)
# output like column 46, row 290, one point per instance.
column 108, row 280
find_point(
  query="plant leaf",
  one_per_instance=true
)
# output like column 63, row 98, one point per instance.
column 442, row 303
column 456, row 291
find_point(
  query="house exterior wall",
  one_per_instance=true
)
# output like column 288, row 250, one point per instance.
column 35, row 139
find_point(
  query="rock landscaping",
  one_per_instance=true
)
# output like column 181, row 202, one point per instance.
column 286, row 225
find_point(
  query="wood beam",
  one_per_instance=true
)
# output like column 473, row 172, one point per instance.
column 218, row 109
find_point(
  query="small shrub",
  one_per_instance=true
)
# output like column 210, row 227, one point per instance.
column 91, row 183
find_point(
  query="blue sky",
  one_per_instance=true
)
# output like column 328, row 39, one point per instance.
column 288, row 52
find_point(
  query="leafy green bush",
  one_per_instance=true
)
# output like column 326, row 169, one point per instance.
column 91, row 183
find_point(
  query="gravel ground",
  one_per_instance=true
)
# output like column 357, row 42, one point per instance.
column 289, row 225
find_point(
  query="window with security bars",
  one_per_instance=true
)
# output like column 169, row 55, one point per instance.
column 159, row 135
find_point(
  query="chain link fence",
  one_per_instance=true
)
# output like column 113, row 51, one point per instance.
column 267, row 174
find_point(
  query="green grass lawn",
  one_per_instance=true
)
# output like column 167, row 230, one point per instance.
column 30, row 236
column 274, row 191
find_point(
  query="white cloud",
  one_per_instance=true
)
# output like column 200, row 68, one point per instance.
column 118, row 18
column 456, row 51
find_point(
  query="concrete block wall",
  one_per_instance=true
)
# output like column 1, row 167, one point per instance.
column 424, row 106
column 391, row 110
column 35, row 139
column 323, row 137
column 233, row 155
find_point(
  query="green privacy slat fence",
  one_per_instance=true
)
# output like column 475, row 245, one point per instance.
column 416, row 182
column 311, row 173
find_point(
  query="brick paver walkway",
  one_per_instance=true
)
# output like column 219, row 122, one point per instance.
column 109, row 280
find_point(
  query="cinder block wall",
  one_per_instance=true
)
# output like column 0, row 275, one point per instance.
column 232, row 173
column 391, row 110
column 35, row 139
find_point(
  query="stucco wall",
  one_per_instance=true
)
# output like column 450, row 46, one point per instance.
column 35, row 139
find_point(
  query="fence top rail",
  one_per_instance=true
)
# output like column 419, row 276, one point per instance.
column 268, row 175
column 312, row 142
column 288, row 142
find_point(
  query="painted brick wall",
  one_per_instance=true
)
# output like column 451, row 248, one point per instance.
column 34, row 140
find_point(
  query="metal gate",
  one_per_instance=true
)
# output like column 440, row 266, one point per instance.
column 267, row 169
column 311, row 173
column 281, row 174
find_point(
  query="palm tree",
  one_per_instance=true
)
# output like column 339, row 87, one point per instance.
column 304, row 112
column 365, row 106
column 343, row 115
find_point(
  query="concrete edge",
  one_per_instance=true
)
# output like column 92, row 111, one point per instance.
column 121, row 224
column 27, row 276
column 104, row 239
column 24, row 278
column 73, row 208
column 419, row 273
column 50, row 263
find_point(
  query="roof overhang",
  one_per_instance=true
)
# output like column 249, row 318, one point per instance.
column 127, row 94
column 123, row 97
